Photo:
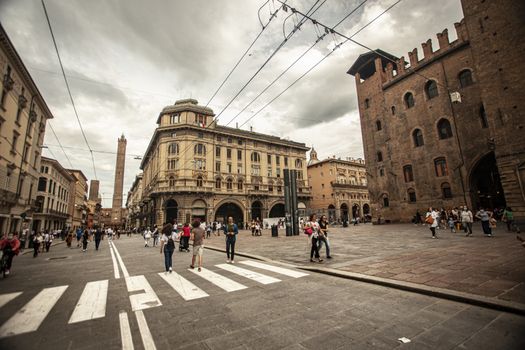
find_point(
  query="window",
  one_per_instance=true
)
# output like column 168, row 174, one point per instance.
column 217, row 152
column 256, row 158
column 279, row 189
column 229, row 168
column 219, row 138
column 407, row 172
column 42, row 183
column 173, row 135
column 200, row 120
column 239, row 154
column 239, row 142
column 367, row 103
column 465, row 78
column 218, row 167
column 269, row 172
column 173, row 148
column 298, row 164
column 379, row 156
column 256, row 170
column 269, row 159
column 172, row 181
column 239, row 185
column 277, row 160
column 431, row 89
column 200, row 164
column 278, row 172
column 378, row 125
column 172, row 164
column 199, row 181
column 411, row 195
column 286, row 161
column 409, row 100
column 229, row 153
column 239, row 168
column 417, row 136
column 13, row 142
column 483, row 117
column 381, row 172
column 175, row 118
column 230, row 140
column 444, row 129
column 393, row 109
column 218, row 183
column 229, row 184
column 440, row 164
column 199, row 149
column 386, row 202
column 200, row 135
column 446, row 191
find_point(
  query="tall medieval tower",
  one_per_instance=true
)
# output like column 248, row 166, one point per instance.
column 116, row 210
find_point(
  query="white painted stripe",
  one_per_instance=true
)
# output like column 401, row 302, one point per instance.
column 29, row 318
column 125, row 331
column 219, row 280
column 258, row 277
column 5, row 298
column 147, row 339
column 115, row 264
column 122, row 266
column 185, row 288
column 92, row 302
column 277, row 269
column 144, row 300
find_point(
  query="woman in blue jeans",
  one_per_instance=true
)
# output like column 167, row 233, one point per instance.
column 167, row 245
column 230, row 230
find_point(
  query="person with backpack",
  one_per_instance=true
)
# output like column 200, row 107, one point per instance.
column 167, row 245
column 312, row 230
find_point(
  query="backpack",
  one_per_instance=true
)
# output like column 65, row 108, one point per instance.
column 171, row 242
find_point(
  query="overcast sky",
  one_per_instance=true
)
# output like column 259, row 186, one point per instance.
column 127, row 59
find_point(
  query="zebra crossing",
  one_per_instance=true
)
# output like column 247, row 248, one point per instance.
column 92, row 302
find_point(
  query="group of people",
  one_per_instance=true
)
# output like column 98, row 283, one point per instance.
column 317, row 232
column 463, row 218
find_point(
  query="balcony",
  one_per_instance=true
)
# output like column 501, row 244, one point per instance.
column 53, row 212
column 8, row 82
column 350, row 186
column 7, row 197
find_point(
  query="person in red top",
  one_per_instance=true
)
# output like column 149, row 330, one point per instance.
column 10, row 246
column 185, row 238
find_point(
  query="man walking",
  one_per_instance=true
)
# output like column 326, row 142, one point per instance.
column 98, row 237
column 197, row 235
column 466, row 220
column 230, row 230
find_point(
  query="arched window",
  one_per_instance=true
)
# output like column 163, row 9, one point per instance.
column 270, row 186
column 386, row 201
column 411, row 195
column 409, row 100
column 218, row 183
column 239, row 185
column 407, row 172
column 417, row 136
column 446, row 191
column 199, row 149
column 393, row 109
column 199, row 181
column 440, row 164
column 483, row 117
column 229, row 184
column 444, row 129
column 171, row 181
column 298, row 164
column 256, row 158
column 465, row 78
column 173, row 148
column 431, row 89
column 379, row 156
column 378, row 125
column 367, row 103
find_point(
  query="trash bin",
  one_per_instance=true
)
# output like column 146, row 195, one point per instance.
column 275, row 231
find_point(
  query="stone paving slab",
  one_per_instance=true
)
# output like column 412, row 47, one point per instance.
column 492, row 267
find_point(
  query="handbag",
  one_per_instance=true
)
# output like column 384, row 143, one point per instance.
column 308, row 231
column 429, row 220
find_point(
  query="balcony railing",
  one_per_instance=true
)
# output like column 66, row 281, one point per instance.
column 53, row 212
column 344, row 185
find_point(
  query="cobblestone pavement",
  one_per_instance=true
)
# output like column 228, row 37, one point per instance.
column 486, row 266
column 270, row 308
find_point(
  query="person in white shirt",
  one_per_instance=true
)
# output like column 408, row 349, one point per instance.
column 167, row 245
column 434, row 215
column 147, row 237
column 312, row 230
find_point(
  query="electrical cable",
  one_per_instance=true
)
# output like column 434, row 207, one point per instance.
column 60, row 144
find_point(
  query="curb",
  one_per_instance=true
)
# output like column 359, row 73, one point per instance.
column 442, row 293
column 30, row 250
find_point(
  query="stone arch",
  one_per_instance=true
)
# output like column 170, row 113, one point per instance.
column 198, row 210
column 227, row 208
column 277, row 210
column 257, row 209
column 171, row 208
column 485, row 184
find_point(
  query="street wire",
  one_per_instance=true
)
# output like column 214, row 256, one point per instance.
column 60, row 144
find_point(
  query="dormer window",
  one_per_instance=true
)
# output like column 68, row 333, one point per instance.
column 175, row 118
column 200, row 120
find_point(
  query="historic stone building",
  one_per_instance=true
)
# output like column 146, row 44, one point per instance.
column 196, row 169
column 447, row 129
column 23, row 118
column 78, row 208
column 53, row 196
column 134, row 203
column 338, row 188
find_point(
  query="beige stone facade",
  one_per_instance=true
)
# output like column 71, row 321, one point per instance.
column 339, row 188
column 134, row 203
column 23, row 118
column 196, row 169
column 53, row 196
column 78, row 208
column 446, row 130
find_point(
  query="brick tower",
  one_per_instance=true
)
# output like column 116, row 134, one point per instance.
column 116, row 209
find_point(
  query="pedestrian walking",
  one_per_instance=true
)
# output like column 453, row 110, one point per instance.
column 185, row 238
column 231, row 231
column 466, row 221
column 208, row 230
column 432, row 218
column 214, row 228
column 37, row 241
column 147, row 237
column 48, row 240
column 85, row 240
column 323, row 235
column 23, row 238
column 156, row 236
column 508, row 218
column 69, row 239
column 98, row 237
column 451, row 224
column 485, row 217
column 197, row 236
column 312, row 230
column 79, row 236
column 167, row 245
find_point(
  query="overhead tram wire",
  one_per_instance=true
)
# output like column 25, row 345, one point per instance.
column 68, row 89
column 312, row 10
column 320, row 38
column 319, row 62
column 272, row 16
column 60, row 144
column 95, row 151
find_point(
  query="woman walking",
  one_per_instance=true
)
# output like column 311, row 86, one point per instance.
column 485, row 217
column 185, row 239
column 508, row 218
column 323, row 235
column 167, row 245
column 432, row 218
column 230, row 230
column 312, row 230
column 85, row 239
column 36, row 243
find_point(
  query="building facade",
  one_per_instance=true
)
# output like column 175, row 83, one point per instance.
column 196, row 169
column 53, row 196
column 117, row 219
column 23, row 118
column 339, row 188
column 445, row 131
column 78, row 208
column 134, row 203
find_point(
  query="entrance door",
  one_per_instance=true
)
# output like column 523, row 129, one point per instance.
column 485, row 184
column 257, row 210
column 277, row 211
column 229, row 209
column 172, row 209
